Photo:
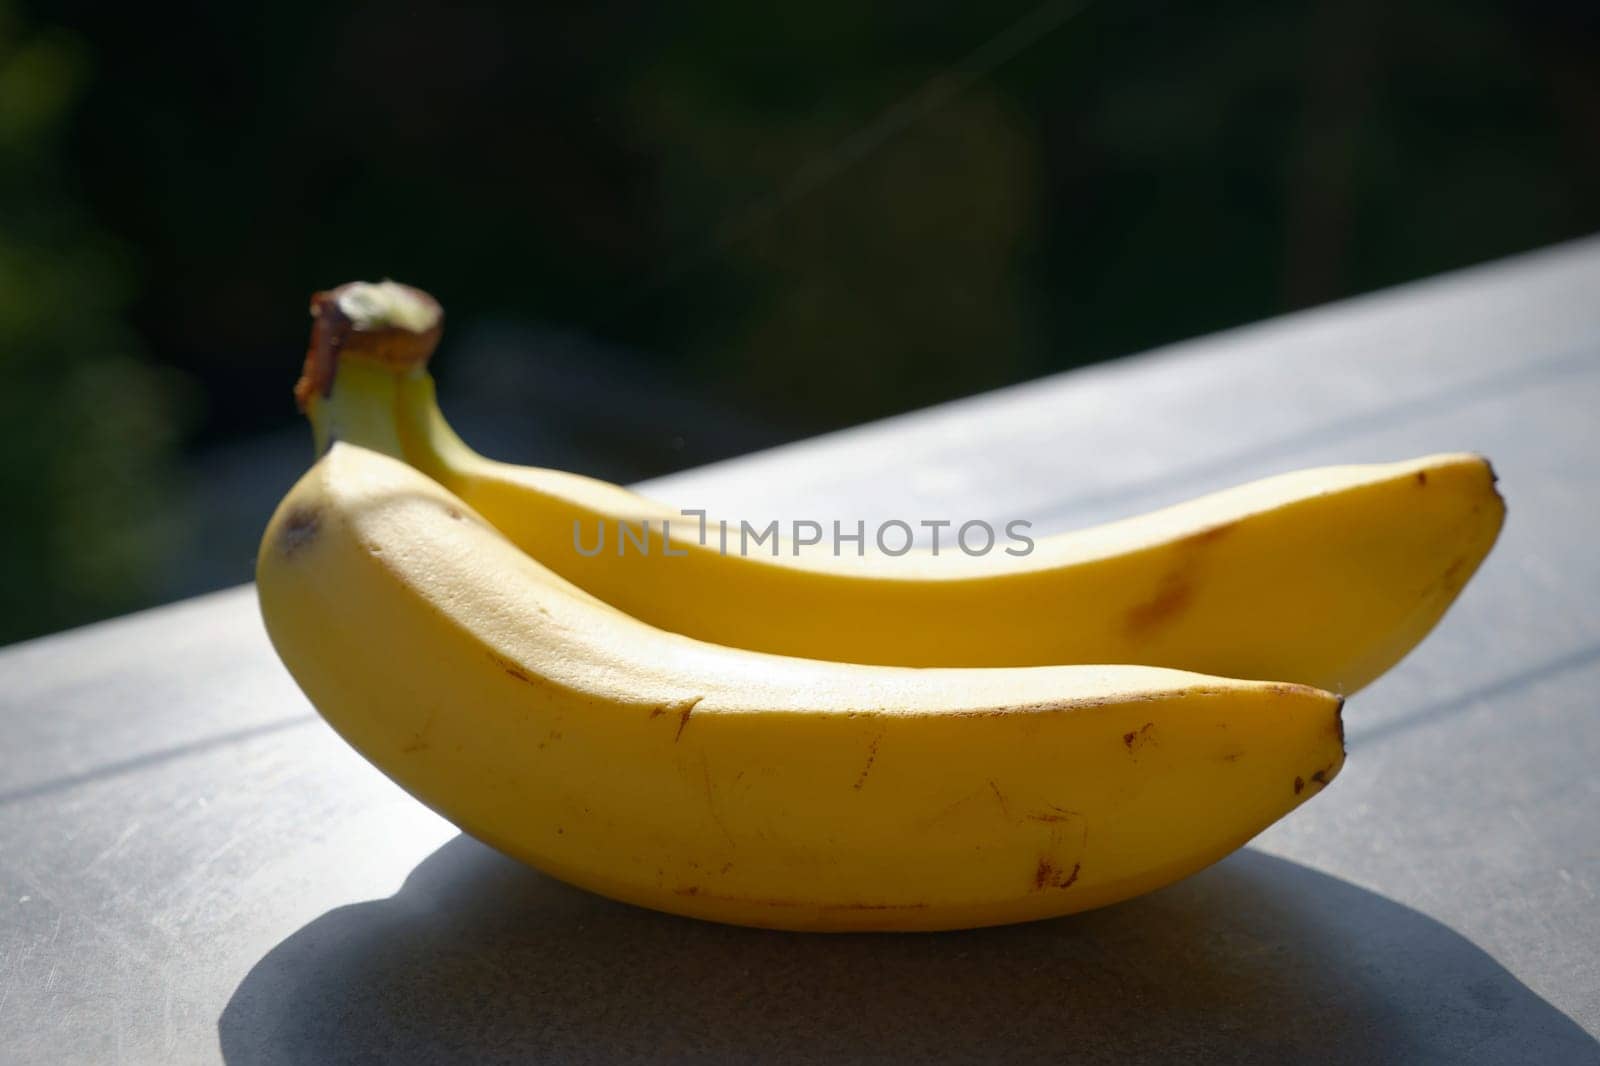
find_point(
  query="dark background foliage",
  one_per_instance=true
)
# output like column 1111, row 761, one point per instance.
column 669, row 233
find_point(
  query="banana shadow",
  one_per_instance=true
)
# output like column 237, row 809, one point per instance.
column 478, row 959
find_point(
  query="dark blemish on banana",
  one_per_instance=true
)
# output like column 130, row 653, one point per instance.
column 300, row 528
column 1422, row 477
column 1139, row 737
column 1299, row 785
column 1049, row 875
column 872, row 757
column 511, row 668
column 1172, row 596
column 1169, row 601
column 683, row 716
column 1000, row 798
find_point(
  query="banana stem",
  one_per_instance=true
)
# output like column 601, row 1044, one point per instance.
column 432, row 446
column 359, row 409
column 364, row 337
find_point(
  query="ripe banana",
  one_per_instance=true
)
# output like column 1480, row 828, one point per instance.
column 744, row 787
column 1325, row 577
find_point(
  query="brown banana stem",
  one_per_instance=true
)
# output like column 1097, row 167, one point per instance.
column 393, row 325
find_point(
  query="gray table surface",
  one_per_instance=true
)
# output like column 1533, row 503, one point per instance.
column 194, row 868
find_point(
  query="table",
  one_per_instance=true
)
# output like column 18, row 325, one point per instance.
column 194, row 868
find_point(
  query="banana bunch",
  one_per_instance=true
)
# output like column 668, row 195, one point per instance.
column 807, row 740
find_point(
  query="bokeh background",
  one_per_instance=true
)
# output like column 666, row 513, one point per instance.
column 666, row 234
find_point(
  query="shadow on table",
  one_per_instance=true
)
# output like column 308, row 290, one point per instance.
column 1256, row 960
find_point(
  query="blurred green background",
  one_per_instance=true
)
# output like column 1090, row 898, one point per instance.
column 667, row 234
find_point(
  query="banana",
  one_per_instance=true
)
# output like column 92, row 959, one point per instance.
column 744, row 787
column 1325, row 577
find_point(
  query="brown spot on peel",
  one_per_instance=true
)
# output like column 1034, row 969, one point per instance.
column 1049, row 875
column 1422, row 477
column 1176, row 590
column 683, row 716
column 300, row 527
column 1139, row 737
column 511, row 668
column 1170, row 600
column 1000, row 798
column 1318, row 778
column 1451, row 573
column 872, row 757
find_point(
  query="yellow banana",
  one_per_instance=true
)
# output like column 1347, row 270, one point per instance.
column 744, row 787
column 1325, row 577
